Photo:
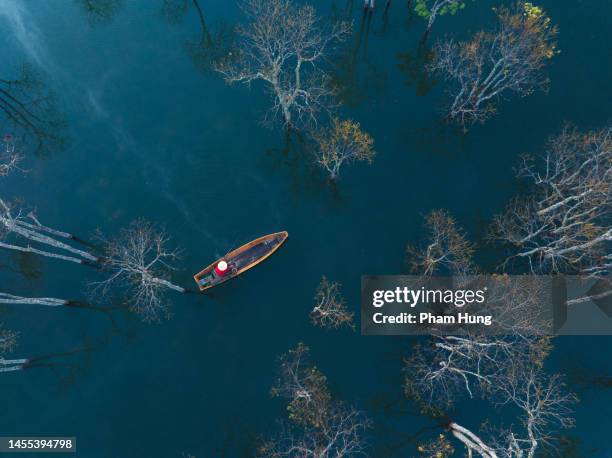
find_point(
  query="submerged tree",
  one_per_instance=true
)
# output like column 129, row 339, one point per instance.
column 25, row 226
column 330, row 309
column 503, row 371
column 437, row 448
column 431, row 9
column 139, row 262
column 8, row 341
column 283, row 45
column 6, row 298
column 563, row 226
column 29, row 110
column 448, row 251
column 9, row 157
column 509, row 59
column 321, row 427
column 344, row 142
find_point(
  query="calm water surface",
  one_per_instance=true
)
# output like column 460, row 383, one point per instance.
column 154, row 137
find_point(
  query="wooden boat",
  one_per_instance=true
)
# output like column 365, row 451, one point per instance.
column 240, row 260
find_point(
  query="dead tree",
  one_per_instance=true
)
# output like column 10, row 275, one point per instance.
column 283, row 45
column 563, row 226
column 503, row 372
column 330, row 309
column 447, row 249
column 9, row 157
column 100, row 12
column 6, row 298
column 509, row 59
column 321, row 427
column 341, row 144
column 29, row 109
column 25, row 226
column 139, row 262
column 517, row 305
column 8, row 342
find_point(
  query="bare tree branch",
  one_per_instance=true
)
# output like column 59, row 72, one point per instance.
column 564, row 226
column 8, row 342
column 26, row 226
column 344, row 142
column 327, row 429
column 330, row 309
column 139, row 262
column 6, row 298
column 510, row 59
column 447, row 252
column 9, row 158
column 504, row 370
column 283, row 45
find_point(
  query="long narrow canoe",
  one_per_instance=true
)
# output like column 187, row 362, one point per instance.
column 241, row 260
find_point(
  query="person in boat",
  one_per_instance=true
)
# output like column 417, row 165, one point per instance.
column 223, row 268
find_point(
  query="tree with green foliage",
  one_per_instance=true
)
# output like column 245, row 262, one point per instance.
column 431, row 9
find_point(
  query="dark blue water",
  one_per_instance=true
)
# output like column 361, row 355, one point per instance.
column 152, row 136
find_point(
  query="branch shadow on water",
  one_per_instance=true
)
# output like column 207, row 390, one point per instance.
column 413, row 64
column 212, row 44
column 296, row 159
column 354, row 77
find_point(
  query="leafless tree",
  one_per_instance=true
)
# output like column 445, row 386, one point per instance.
column 509, row 59
column 9, row 157
column 6, row 298
column 25, row 226
column 564, row 225
column 139, row 261
column 304, row 385
column 517, row 305
column 322, row 428
column 447, row 252
column 8, row 342
column 283, row 45
column 29, row 109
column 344, row 142
column 506, row 371
column 330, row 309
column 439, row 370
